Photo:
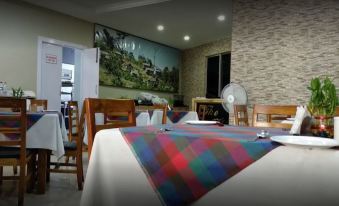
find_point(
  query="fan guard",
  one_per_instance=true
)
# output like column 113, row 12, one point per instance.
column 233, row 94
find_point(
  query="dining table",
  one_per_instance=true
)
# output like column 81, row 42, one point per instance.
column 254, row 171
column 151, row 117
column 46, row 132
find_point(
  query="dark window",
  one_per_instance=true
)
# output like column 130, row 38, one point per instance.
column 212, row 77
column 218, row 74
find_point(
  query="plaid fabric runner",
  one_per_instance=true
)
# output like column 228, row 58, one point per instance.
column 184, row 162
column 175, row 117
column 32, row 118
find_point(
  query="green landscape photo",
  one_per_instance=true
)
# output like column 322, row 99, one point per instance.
column 132, row 62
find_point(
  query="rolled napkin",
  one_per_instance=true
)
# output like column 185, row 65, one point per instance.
column 299, row 117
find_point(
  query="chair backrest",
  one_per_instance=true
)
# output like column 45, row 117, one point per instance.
column 13, row 125
column 240, row 115
column 35, row 103
column 202, row 109
column 272, row 110
column 73, row 119
column 337, row 111
column 162, row 107
column 107, row 107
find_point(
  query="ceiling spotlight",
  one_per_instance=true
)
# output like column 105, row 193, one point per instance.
column 221, row 17
column 187, row 38
column 160, row 28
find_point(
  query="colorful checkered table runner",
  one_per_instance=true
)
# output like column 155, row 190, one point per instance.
column 176, row 116
column 184, row 162
column 32, row 118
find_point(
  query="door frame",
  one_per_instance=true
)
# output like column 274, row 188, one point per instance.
column 48, row 40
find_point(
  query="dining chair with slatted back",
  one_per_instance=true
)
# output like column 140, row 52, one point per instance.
column 240, row 115
column 36, row 103
column 73, row 120
column 13, row 144
column 272, row 110
column 73, row 148
column 107, row 107
column 202, row 110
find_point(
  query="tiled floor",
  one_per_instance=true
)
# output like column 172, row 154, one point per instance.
column 61, row 190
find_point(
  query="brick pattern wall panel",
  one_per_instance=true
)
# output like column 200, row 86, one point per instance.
column 279, row 45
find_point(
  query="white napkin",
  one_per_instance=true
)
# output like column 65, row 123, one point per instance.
column 299, row 117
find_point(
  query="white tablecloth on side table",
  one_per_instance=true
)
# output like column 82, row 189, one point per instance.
column 285, row 176
column 157, row 117
column 47, row 133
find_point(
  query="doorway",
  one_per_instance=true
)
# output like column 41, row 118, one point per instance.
column 66, row 72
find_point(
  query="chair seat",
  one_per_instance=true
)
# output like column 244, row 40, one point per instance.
column 70, row 145
column 12, row 152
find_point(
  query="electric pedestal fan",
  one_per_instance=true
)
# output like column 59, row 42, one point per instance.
column 233, row 94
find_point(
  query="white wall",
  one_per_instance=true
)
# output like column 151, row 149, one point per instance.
column 20, row 26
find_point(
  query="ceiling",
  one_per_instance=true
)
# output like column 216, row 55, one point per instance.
column 196, row 18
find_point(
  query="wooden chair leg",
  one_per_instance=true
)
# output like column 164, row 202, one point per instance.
column 48, row 174
column 82, row 171
column 22, row 184
column 1, row 174
column 15, row 170
column 31, row 167
column 79, row 172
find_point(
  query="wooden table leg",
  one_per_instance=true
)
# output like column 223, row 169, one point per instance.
column 42, row 167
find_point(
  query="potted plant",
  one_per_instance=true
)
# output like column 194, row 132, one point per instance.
column 322, row 106
column 17, row 93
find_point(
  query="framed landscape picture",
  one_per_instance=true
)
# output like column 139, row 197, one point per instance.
column 133, row 62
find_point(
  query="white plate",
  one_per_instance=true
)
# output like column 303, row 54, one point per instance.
column 201, row 122
column 306, row 141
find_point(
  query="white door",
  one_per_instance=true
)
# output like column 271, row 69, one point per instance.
column 51, row 66
column 89, row 74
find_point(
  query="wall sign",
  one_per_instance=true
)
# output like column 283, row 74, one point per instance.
column 51, row 59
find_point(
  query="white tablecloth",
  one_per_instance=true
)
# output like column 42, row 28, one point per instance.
column 46, row 133
column 142, row 119
column 285, row 176
column 157, row 117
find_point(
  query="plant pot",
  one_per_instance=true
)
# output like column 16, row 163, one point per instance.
column 322, row 126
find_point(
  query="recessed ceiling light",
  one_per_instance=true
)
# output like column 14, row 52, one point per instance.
column 160, row 28
column 187, row 38
column 221, row 17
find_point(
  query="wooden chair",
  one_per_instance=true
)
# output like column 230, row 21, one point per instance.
column 73, row 120
column 240, row 115
column 73, row 148
column 272, row 110
column 35, row 103
column 337, row 111
column 13, row 145
column 202, row 109
column 107, row 107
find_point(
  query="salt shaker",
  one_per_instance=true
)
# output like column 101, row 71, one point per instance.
column 336, row 128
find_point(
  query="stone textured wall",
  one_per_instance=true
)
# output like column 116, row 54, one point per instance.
column 279, row 45
column 193, row 73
